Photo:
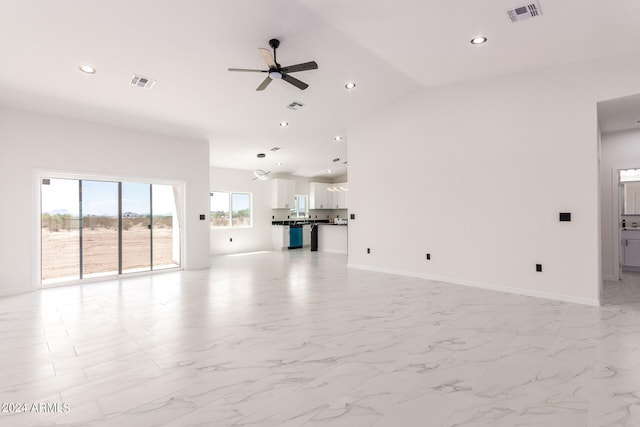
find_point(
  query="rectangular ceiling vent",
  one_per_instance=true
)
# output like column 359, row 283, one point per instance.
column 295, row 105
column 275, row 149
column 143, row 82
column 530, row 10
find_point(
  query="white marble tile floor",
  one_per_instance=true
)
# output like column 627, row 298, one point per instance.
column 294, row 338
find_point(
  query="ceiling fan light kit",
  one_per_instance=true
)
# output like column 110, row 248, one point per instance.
column 278, row 72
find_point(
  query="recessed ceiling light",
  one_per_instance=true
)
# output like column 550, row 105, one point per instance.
column 261, row 155
column 338, row 138
column 278, row 163
column 329, row 171
column 478, row 40
column 350, row 85
column 87, row 69
column 283, row 124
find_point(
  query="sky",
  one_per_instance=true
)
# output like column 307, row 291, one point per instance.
column 101, row 197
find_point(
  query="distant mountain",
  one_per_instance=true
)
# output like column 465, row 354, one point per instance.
column 59, row 212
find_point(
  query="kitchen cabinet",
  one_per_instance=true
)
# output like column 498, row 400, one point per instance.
column 328, row 196
column 630, row 248
column 340, row 195
column 280, row 237
column 282, row 193
column 306, row 234
column 319, row 196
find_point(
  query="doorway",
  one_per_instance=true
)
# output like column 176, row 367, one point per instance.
column 93, row 228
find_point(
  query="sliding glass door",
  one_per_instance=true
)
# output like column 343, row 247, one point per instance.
column 60, row 229
column 95, row 228
column 164, row 227
column 99, row 232
column 136, row 227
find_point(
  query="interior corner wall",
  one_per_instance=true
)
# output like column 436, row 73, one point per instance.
column 477, row 173
column 238, row 240
column 620, row 150
column 31, row 142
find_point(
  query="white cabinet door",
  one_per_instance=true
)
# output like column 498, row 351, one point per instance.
column 340, row 196
column 318, row 196
column 631, row 249
column 306, row 235
column 279, row 237
column 282, row 193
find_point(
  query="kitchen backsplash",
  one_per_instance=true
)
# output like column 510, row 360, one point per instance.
column 319, row 214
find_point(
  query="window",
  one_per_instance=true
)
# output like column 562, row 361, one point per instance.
column 300, row 209
column 220, row 214
column 230, row 209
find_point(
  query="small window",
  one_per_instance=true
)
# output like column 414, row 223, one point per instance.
column 230, row 210
column 240, row 210
column 300, row 209
column 220, row 213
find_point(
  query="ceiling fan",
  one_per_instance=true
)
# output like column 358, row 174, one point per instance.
column 276, row 71
column 261, row 175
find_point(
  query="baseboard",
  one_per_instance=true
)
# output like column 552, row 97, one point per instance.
column 14, row 291
column 498, row 288
column 334, row 252
column 610, row 278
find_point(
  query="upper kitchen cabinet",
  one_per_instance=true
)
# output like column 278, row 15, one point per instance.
column 340, row 195
column 282, row 193
column 319, row 197
column 328, row 196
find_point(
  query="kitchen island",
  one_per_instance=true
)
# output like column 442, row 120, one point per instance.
column 332, row 238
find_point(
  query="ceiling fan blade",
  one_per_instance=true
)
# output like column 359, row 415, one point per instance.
column 268, row 58
column 248, row 70
column 301, row 67
column 297, row 83
column 264, row 83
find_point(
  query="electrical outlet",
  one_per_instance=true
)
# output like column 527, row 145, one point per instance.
column 352, row 216
column 538, row 267
column 368, row 250
column 231, row 239
column 428, row 257
column 565, row 216
column 202, row 217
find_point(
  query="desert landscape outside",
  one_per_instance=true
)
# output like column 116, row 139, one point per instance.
column 61, row 246
column 80, row 236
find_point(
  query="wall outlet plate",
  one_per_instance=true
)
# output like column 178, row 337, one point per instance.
column 565, row 216
column 538, row 267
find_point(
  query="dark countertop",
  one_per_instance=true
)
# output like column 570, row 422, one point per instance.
column 294, row 222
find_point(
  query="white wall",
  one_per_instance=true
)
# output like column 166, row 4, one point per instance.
column 620, row 150
column 512, row 151
column 255, row 238
column 30, row 142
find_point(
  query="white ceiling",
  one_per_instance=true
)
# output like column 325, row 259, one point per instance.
column 389, row 49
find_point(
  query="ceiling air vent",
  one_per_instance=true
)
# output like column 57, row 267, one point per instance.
column 295, row 105
column 530, row 10
column 275, row 149
column 142, row 82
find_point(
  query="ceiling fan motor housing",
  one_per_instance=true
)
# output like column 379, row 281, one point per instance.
column 274, row 43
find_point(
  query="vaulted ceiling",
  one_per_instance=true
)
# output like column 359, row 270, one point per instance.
column 389, row 49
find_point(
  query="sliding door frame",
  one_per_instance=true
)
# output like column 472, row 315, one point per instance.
column 40, row 174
